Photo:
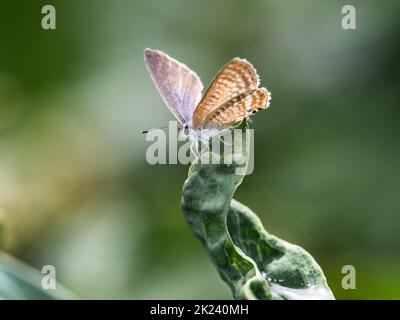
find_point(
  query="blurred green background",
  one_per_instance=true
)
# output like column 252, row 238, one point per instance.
column 76, row 191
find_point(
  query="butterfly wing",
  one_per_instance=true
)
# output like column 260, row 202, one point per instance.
column 238, row 108
column 236, row 77
column 179, row 86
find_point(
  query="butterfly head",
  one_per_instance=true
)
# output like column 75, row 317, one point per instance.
column 202, row 134
column 189, row 133
column 186, row 130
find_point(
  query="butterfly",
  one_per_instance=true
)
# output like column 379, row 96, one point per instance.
column 233, row 95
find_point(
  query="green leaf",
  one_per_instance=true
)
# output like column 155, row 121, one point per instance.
column 18, row 281
column 254, row 263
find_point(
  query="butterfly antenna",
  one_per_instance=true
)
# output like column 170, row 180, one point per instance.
column 146, row 131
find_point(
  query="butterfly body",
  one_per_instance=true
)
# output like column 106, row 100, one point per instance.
column 232, row 96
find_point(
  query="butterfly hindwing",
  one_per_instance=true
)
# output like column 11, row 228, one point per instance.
column 238, row 108
column 179, row 86
column 237, row 77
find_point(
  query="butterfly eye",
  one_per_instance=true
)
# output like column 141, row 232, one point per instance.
column 186, row 130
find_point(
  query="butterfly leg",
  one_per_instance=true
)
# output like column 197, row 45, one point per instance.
column 223, row 141
column 198, row 146
column 194, row 148
column 205, row 142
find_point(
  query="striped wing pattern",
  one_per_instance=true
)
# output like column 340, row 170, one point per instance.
column 238, row 108
column 232, row 96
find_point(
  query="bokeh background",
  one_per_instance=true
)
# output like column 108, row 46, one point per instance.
column 76, row 191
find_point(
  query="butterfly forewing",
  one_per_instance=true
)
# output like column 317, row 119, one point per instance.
column 238, row 108
column 236, row 77
column 179, row 86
